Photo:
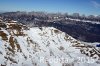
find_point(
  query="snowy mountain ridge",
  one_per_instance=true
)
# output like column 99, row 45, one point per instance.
column 35, row 46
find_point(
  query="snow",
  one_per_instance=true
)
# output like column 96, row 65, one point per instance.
column 93, row 22
column 43, row 45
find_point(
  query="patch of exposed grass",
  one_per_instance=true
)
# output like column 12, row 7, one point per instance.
column 3, row 35
column 11, row 41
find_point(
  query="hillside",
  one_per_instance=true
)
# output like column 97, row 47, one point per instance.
column 36, row 46
column 81, row 27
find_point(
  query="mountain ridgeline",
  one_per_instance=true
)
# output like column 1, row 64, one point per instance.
column 83, row 28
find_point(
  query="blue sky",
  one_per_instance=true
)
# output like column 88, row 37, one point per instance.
column 71, row 6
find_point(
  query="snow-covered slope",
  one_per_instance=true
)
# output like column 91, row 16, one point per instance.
column 44, row 46
column 88, row 21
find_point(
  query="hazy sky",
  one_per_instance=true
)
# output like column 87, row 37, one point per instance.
column 70, row 6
